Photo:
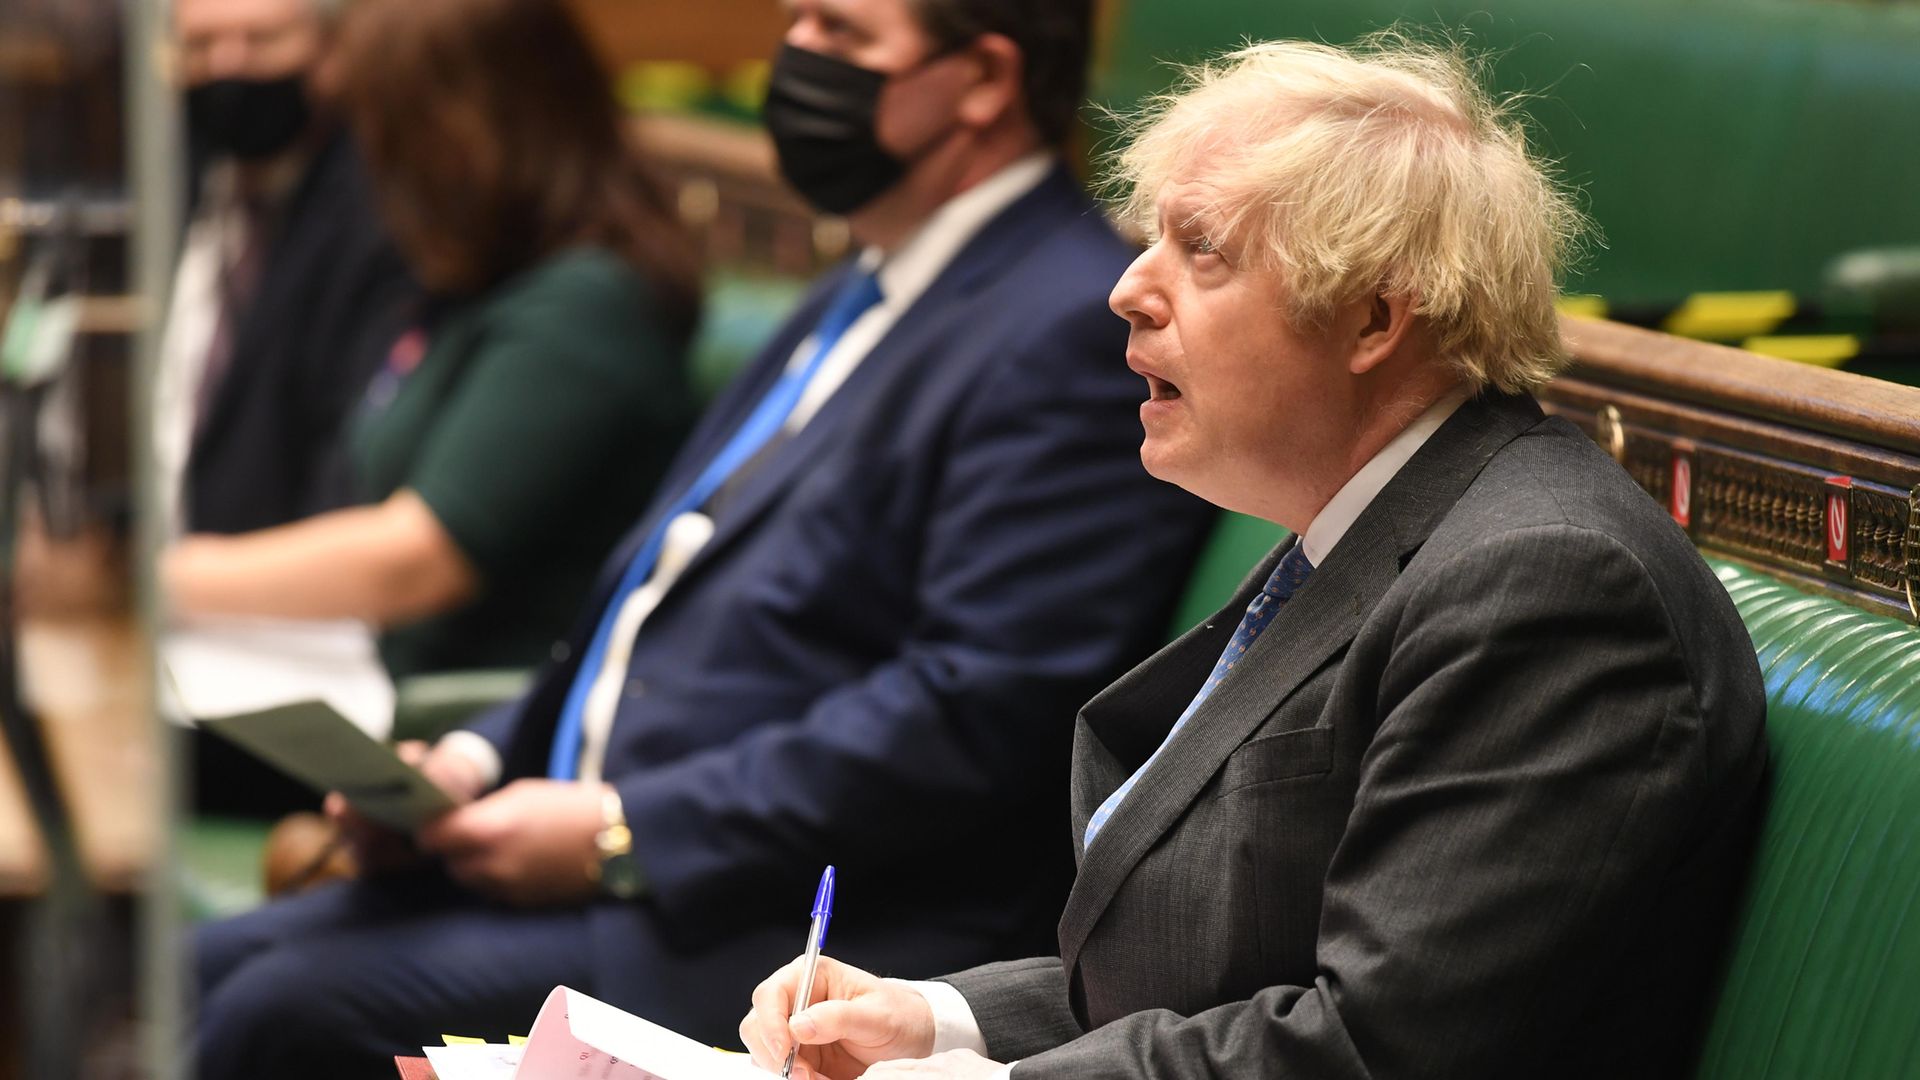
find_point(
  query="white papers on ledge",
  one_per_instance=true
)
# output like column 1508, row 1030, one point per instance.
column 578, row 1038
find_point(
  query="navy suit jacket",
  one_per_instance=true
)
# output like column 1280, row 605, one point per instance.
column 876, row 660
column 333, row 295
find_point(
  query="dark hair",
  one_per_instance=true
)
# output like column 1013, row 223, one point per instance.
column 494, row 139
column 1055, row 39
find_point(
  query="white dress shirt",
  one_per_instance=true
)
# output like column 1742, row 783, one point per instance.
column 954, row 1027
column 904, row 276
column 213, row 243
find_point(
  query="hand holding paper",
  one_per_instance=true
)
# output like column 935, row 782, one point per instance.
column 530, row 843
column 316, row 745
column 378, row 848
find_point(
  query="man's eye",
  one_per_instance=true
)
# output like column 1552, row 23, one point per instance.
column 1204, row 245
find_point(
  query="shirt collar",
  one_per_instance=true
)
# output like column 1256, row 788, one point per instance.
column 1345, row 507
column 907, row 272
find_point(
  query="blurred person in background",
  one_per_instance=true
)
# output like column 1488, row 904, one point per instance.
column 288, row 290
column 287, row 296
column 519, row 424
column 852, row 628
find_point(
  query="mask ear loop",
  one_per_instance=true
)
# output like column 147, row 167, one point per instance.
column 919, row 154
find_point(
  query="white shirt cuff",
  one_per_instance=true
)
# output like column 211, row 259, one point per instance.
column 484, row 757
column 953, row 1025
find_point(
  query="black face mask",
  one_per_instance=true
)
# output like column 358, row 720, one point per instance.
column 250, row 119
column 820, row 112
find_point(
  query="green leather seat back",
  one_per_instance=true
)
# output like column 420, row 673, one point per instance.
column 1720, row 144
column 1824, row 977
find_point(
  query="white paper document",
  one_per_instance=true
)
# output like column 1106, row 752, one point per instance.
column 578, row 1038
column 229, row 666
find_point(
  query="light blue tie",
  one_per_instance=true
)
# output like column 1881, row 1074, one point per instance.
column 860, row 292
column 1289, row 575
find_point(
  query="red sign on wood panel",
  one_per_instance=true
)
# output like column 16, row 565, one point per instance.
column 1838, row 518
column 1680, row 500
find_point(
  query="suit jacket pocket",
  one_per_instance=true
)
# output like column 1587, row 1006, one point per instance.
column 1286, row 755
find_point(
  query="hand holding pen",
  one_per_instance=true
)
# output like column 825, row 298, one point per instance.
column 856, row 1019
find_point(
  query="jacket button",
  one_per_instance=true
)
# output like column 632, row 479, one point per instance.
column 636, row 688
column 560, row 651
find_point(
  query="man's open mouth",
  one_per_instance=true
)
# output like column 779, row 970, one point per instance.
column 1159, row 389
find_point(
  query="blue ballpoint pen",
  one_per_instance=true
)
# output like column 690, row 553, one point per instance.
column 816, row 940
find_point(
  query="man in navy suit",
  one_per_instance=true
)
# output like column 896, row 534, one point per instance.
column 896, row 556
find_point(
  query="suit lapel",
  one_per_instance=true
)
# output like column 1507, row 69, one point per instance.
column 1320, row 620
column 938, row 314
column 1123, row 724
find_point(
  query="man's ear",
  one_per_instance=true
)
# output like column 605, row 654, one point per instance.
column 1000, row 80
column 1381, row 325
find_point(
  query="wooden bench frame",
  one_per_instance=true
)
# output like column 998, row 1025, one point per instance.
column 1808, row 474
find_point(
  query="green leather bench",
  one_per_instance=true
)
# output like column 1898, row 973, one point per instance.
column 1824, row 976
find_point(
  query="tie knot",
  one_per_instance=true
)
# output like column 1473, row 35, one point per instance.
column 859, row 292
column 1291, row 573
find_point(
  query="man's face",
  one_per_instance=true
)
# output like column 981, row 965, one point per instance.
column 1237, row 393
column 244, row 39
column 882, row 35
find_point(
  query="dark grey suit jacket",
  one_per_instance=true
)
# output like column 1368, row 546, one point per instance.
column 1476, row 804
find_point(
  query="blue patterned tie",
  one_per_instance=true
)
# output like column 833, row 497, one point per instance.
column 1288, row 576
column 860, row 292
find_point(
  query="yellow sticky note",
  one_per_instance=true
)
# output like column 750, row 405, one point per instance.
column 462, row 1040
column 1729, row 316
column 1582, row 305
column 1822, row 350
column 516, row 1040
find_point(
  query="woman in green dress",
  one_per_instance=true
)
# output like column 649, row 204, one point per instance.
column 518, row 430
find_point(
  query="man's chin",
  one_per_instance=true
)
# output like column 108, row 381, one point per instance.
column 1160, row 462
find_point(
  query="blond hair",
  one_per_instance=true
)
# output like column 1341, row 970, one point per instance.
column 1378, row 168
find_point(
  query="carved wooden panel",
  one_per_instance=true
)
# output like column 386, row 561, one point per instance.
column 1809, row 474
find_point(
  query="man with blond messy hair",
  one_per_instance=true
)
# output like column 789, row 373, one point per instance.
column 1461, row 783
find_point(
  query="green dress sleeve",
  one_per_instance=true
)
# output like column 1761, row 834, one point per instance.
column 535, row 428
column 550, row 413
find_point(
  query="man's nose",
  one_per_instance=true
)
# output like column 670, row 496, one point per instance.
column 1136, row 297
column 225, row 56
column 805, row 33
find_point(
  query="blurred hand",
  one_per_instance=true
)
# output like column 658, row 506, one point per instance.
column 951, row 1065
column 379, row 849
column 855, row 1021
column 530, row 843
column 450, row 770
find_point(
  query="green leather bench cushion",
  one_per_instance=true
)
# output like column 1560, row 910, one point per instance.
column 219, row 865
column 743, row 310
column 1824, row 977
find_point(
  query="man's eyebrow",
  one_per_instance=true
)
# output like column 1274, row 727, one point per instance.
column 1190, row 215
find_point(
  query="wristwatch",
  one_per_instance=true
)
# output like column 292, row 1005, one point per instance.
column 617, row 871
